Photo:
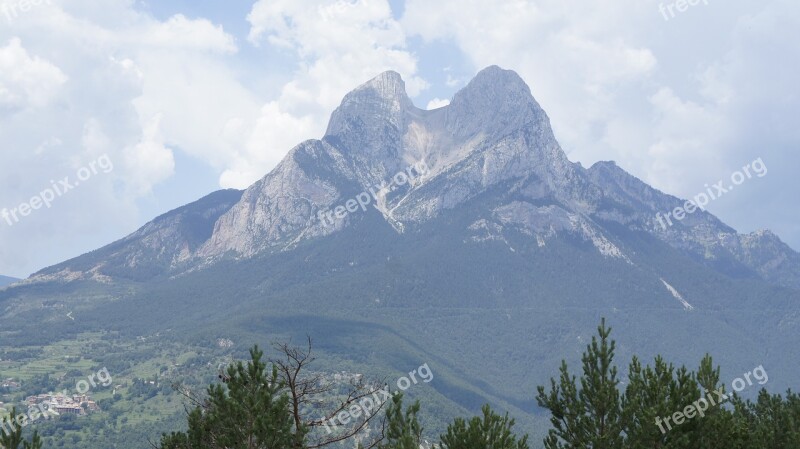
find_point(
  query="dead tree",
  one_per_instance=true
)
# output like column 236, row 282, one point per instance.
column 310, row 394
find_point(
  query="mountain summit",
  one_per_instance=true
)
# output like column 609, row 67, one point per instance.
column 491, row 157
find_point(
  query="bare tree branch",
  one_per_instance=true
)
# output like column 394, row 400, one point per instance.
column 312, row 389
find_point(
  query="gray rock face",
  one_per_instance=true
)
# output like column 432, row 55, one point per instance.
column 170, row 242
column 635, row 205
column 492, row 132
column 279, row 208
column 492, row 140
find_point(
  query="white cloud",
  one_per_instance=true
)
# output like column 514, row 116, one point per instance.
column 149, row 161
column 683, row 132
column 26, row 81
column 75, row 84
column 274, row 132
column 452, row 82
column 339, row 43
column 437, row 103
column 180, row 32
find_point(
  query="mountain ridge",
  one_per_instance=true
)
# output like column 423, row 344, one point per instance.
column 493, row 132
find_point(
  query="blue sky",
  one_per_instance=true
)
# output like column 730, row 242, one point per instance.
column 187, row 96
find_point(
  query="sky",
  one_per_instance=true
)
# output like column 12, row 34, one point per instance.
column 121, row 110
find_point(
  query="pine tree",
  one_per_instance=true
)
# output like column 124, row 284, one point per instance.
column 589, row 417
column 493, row 431
column 717, row 428
column 249, row 412
column 654, row 394
column 595, row 416
column 13, row 439
column 403, row 429
column 771, row 421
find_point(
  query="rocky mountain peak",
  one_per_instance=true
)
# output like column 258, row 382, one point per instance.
column 389, row 85
column 495, row 102
column 498, row 84
column 375, row 109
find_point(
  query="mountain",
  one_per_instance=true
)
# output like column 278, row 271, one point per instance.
column 493, row 139
column 5, row 280
column 461, row 236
